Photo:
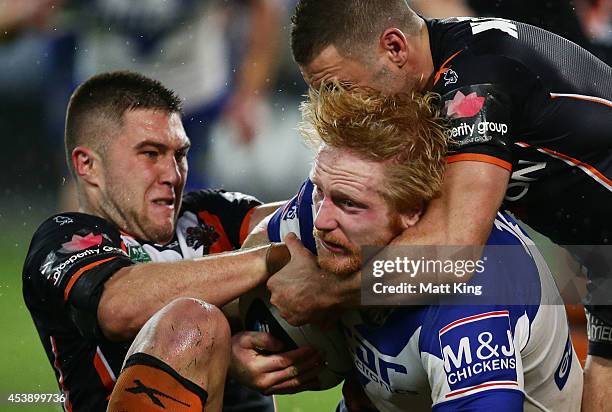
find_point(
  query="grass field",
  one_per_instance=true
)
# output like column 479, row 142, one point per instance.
column 23, row 364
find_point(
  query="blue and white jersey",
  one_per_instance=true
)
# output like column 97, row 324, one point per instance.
column 462, row 357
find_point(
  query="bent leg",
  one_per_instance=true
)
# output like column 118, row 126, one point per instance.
column 178, row 359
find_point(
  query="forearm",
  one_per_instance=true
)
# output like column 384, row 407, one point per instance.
column 464, row 213
column 135, row 293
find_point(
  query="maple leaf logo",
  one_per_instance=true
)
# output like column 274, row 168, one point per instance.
column 464, row 106
column 81, row 242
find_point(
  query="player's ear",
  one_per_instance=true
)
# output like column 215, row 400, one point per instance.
column 410, row 217
column 86, row 164
column 395, row 45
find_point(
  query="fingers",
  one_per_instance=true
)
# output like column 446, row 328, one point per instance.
column 305, row 356
column 295, row 378
column 295, row 246
column 260, row 341
column 285, row 371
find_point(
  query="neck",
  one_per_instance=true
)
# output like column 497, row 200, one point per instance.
column 426, row 60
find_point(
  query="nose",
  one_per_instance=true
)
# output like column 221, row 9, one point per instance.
column 326, row 218
column 171, row 173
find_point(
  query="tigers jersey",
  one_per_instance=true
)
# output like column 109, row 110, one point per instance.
column 463, row 357
column 537, row 105
column 71, row 256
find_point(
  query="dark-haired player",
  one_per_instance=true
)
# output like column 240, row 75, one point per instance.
column 128, row 261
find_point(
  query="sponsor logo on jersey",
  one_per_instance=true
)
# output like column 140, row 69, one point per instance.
column 202, row 235
column 81, row 243
column 565, row 366
column 443, row 70
column 62, row 220
column 598, row 331
column 524, row 173
column 480, row 132
column 375, row 366
column 55, row 272
column 464, row 106
column 137, row 253
column 478, row 349
column 450, row 77
column 290, row 213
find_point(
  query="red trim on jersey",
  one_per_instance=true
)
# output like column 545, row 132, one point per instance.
column 484, row 385
column 443, row 69
column 587, row 168
column 104, row 372
column 477, row 157
column 222, row 244
column 80, row 272
column 474, row 317
column 57, row 366
column 244, row 227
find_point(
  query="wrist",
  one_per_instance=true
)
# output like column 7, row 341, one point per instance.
column 277, row 256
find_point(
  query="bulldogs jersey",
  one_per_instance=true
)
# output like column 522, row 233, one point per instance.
column 71, row 256
column 539, row 106
column 462, row 357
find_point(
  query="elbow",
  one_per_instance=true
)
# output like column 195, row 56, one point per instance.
column 117, row 323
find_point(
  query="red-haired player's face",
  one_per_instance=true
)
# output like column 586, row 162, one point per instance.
column 145, row 169
column 350, row 210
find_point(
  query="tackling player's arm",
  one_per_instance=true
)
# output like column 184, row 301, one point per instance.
column 216, row 279
column 134, row 293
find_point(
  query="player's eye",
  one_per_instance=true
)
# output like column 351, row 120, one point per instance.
column 151, row 154
column 347, row 203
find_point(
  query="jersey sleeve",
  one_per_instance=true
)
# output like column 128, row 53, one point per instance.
column 473, row 360
column 296, row 216
column 480, row 125
column 70, row 258
column 483, row 100
column 228, row 212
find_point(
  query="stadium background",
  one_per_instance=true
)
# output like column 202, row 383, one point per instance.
column 35, row 80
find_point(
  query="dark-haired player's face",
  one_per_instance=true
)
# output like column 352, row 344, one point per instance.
column 145, row 169
column 350, row 210
column 366, row 71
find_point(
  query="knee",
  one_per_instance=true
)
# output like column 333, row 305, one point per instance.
column 188, row 325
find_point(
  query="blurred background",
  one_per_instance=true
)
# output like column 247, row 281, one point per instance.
column 229, row 61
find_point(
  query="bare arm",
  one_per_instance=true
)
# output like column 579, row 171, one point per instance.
column 462, row 215
column 259, row 214
column 133, row 294
column 217, row 279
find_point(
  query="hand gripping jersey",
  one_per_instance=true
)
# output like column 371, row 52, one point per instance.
column 462, row 357
column 73, row 254
column 538, row 105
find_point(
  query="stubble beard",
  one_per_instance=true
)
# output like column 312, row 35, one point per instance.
column 122, row 212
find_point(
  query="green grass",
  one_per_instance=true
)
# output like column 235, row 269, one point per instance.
column 23, row 365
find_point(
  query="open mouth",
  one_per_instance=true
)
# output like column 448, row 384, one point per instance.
column 168, row 202
column 333, row 247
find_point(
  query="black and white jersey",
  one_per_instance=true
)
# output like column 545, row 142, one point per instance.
column 71, row 256
column 539, row 106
